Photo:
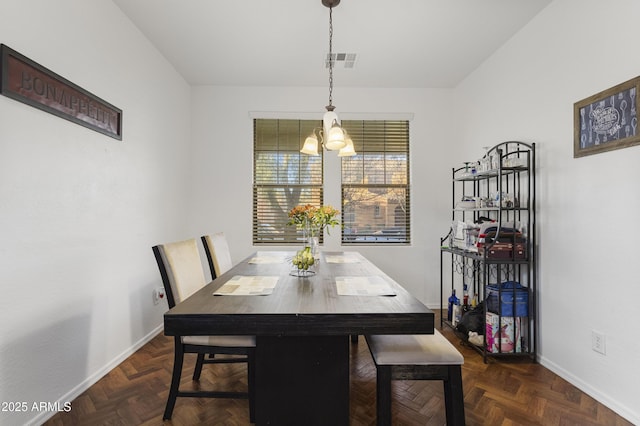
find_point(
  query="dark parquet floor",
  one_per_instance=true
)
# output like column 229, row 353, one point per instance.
column 496, row 393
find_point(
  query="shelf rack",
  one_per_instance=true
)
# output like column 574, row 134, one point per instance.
column 511, row 170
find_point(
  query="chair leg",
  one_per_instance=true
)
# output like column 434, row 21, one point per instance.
column 354, row 338
column 383, row 396
column 175, row 379
column 453, row 397
column 198, row 368
column 251, row 371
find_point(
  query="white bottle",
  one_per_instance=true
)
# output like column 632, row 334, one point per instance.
column 457, row 314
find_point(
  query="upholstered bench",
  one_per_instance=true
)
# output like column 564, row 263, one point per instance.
column 417, row 357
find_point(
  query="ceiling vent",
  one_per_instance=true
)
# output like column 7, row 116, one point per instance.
column 343, row 60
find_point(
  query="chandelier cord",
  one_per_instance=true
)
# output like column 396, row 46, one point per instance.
column 330, row 55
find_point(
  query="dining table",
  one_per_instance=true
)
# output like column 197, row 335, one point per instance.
column 302, row 326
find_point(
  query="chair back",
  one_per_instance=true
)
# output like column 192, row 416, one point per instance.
column 180, row 268
column 218, row 254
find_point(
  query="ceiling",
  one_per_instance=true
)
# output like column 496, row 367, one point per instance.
column 401, row 43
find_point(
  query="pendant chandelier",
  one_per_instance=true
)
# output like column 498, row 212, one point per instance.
column 331, row 135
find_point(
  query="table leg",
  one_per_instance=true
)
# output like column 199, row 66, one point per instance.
column 302, row 380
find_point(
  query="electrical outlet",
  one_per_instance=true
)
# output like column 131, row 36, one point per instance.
column 158, row 295
column 598, row 342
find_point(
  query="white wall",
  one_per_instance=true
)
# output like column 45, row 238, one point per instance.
column 79, row 211
column 587, row 206
column 223, row 168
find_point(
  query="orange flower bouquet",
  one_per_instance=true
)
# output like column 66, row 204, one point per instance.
column 313, row 220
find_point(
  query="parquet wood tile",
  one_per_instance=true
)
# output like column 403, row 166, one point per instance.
column 505, row 392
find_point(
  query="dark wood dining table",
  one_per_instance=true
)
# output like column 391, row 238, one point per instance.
column 302, row 330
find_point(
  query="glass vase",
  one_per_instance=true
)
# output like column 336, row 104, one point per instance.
column 312, row 240
column 314, row 245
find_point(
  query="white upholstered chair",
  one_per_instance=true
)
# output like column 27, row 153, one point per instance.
column 218, row 254
column 182, row 275
column 417, row 357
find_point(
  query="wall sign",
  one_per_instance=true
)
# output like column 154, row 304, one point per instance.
column 28, row 82
column 607, row 120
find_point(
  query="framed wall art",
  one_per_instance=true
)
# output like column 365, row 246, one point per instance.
column 607, row 120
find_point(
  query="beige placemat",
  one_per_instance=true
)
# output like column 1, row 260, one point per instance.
column 363, row 286
column 241, row 285
column 341, row 258
column 265, row 257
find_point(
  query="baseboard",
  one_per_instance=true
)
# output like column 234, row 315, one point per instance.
column 626, row 412
column 91, row 380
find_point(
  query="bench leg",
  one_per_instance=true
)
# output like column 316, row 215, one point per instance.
column 453, row 397
column 383, row 396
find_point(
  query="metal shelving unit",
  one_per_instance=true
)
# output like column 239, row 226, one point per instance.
column 502, row 186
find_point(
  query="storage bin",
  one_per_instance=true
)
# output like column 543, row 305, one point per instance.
column 506, row 299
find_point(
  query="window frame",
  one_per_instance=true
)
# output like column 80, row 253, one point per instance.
column 372, row 146
column 269, row 218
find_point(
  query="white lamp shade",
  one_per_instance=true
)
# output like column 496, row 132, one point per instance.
column 310, row 146
column 335, row 140
column 348, row 149
column 328, row 119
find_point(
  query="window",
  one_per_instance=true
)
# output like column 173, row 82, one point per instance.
column 282, row 177
column 375, row 183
